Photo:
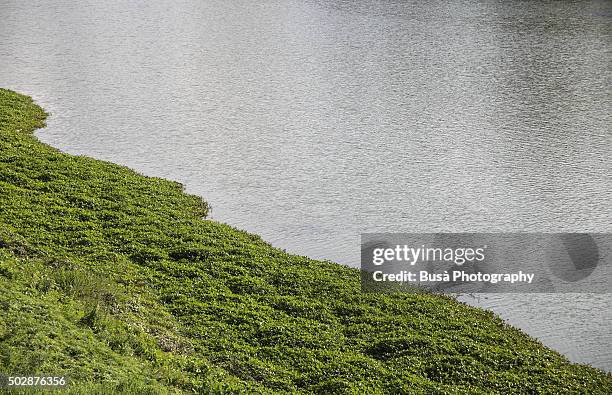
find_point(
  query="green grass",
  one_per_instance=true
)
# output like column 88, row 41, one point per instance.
column 116, row 281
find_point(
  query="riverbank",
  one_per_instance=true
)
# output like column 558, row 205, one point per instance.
column 114, row 280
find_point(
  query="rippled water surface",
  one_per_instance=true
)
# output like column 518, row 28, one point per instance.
column 310, row 122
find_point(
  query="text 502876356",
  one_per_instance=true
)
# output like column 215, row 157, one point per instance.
column 16, row 381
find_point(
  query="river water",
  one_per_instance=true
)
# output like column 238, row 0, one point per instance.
column 310, row 122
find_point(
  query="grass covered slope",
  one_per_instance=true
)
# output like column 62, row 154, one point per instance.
column 115, row 280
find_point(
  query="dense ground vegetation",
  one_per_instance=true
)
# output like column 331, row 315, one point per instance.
column 116, row 281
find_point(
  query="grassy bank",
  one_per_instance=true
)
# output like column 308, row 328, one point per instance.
column 115, row 280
